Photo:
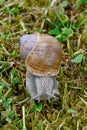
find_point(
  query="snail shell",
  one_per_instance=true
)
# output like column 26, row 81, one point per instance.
column 42, row 55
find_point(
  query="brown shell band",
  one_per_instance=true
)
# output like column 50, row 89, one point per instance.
column 45, row 57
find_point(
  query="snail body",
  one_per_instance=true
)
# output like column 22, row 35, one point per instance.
column 42, row 55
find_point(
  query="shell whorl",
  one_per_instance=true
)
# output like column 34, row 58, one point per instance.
column 41, row 53
column 27, row 43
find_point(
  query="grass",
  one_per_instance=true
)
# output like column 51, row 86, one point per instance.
column 67, row 21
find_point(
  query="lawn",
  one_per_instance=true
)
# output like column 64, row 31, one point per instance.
column 66, row 20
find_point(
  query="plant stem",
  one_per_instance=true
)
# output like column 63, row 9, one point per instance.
column 23, row 111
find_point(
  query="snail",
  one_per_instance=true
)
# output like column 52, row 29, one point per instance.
column 42, row 56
